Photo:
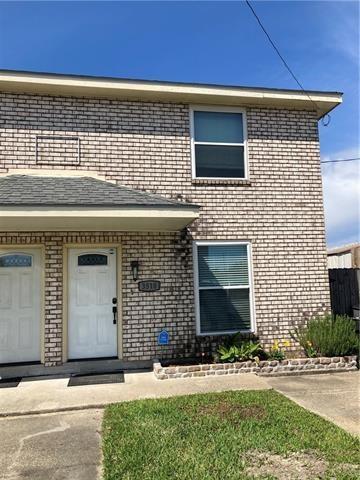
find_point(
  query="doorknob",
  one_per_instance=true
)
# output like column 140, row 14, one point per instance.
column 114, row 309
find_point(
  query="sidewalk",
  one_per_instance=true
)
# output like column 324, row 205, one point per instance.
column 334, row 396
column 53, row 395
column 57, row 446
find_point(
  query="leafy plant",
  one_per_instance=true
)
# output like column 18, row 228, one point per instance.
column 237, row 352
column 228, row 354
column 276, row 351
column 328, row 336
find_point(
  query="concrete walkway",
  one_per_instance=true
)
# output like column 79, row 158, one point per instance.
column 66, row 445
column 50, row 395
column 62, row 446
column 334, row 396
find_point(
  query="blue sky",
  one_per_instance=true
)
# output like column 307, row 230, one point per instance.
column 211, row 42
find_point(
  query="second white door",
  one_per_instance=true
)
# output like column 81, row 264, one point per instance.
column 92, row 331
column 20, row 305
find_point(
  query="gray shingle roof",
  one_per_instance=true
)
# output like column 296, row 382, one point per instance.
column 79, row 191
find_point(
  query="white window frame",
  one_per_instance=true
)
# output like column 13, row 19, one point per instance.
column 250, row 286
column 216, row 108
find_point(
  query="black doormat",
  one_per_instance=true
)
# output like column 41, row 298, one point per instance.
column 96, row 379
column 10, row 382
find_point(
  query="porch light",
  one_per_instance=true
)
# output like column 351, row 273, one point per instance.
column 135, row 269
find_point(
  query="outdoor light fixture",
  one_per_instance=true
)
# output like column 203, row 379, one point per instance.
column 135, row 269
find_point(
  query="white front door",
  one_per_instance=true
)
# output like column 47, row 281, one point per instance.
column 92, row 332
column 20, row 299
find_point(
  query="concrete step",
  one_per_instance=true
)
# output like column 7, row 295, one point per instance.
column 73, row 367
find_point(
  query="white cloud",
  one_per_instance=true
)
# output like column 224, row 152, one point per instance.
column 341, row 183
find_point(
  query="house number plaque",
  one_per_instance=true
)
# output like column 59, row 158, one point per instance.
column 149, row 285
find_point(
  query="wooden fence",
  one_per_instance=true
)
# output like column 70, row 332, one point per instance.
column 344, row 290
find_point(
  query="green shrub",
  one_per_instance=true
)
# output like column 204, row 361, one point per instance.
column 239, row 351
column 328, row 336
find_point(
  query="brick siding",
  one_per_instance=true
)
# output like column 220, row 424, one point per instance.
column 143, row 314
column 147, row 146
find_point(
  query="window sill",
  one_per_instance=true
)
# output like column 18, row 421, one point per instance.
column 221, row 181
column 226, row 332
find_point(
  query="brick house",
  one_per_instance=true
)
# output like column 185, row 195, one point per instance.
column 132, row 207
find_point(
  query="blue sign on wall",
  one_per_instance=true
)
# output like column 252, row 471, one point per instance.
column 163, row 338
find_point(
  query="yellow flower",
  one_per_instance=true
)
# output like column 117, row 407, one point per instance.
column 309, row 343
column 286, row 343
column 276, row 344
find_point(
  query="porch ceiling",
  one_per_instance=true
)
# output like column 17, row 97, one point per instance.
column 35, row 203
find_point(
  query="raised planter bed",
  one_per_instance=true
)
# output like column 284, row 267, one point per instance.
column 264, row 367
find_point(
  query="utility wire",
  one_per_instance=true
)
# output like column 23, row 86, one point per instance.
column 285, row 62
column 341, row 160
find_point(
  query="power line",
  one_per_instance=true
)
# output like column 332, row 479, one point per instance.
column 284, row 61
column 341, row 160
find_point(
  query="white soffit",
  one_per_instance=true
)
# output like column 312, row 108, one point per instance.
column 126, row 89
column 17, row 219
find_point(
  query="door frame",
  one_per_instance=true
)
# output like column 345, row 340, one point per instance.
column 18, row 247
column 119, row 325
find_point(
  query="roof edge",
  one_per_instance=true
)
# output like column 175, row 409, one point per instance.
column 107, row 206
column 155, row 90
column 110, row 206
column 159, row 82
column 343, row 248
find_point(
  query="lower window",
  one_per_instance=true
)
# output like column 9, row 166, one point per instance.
column 223, row 287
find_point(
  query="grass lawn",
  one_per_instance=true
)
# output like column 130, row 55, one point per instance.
column 231, row 435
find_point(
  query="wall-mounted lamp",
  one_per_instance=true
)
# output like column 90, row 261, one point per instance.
column 135, row 269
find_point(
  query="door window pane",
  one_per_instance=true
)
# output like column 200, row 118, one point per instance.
column 92, row 259
column 16, row 260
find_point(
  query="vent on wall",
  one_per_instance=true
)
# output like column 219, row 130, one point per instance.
column 57, row 150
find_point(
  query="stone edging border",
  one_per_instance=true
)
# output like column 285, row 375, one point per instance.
column 264, row 367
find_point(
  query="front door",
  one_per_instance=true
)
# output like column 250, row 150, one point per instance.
column 20, row 300
column 92, row 326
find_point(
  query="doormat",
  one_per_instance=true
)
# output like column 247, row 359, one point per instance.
column 10, row 382
column 96, row 379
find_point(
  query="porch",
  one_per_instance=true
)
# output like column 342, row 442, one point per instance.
column 68, row 246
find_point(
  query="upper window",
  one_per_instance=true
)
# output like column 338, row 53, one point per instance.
column 223, row 289
column 218, row 143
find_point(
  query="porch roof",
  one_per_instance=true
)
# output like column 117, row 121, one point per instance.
column 80, row 203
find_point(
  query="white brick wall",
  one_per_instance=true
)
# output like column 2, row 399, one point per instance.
column 147, row 146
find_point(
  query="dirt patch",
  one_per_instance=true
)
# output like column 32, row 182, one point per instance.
column 186, row 362
column 228, row 411
column 295, row 466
